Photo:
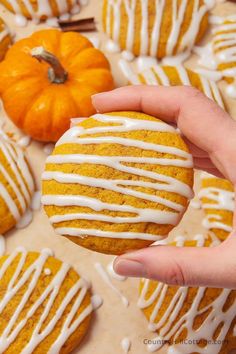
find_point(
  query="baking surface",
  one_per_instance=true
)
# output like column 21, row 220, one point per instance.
column 113, row 321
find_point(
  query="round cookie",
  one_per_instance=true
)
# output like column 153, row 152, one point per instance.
column 45, row 304
column 5, row 38
column 217, row 200
column 16, row 183
column 41, row 9
column 117, row 182
column 176, row 75
column 224, row 50
column 191, row 320
column 156, row 28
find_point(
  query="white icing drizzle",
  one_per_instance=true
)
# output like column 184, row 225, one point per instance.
column 96, row 301
column 224, row 199
column 222, row 41
column 156, row 75
column 52, row 22
column 112, row 273
column 95, row 40
column 2, row 245
column 150, row 42
column 214, row 221
column 167, row 329
column 195, row 204
column 222, row 50
column 36, row 201
column 76, row 121
column 101, row 271
column 47, row 271
column 206, row 56
column 48, row 148
column 24, row 141
column 126, row 344
column 176, row 59
column 25, row 220
column 23, row 189
column 163, row 182
column 20, row 20
column 145, row 62
column 43, row 9
column 220, row 199
column 30, row 277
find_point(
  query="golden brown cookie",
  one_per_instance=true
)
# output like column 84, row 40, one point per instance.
column 16, row 183
column 5, row 38
column 38, row 9
column 177, row 75
column 190, row 320
column 45, row 305
column 217, row 199
column 117, row 182
column 224, row 50
column 156, row 28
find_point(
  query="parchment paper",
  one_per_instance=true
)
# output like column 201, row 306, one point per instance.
column 112, row 322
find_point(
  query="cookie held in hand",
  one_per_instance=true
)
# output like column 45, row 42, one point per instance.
column 117, row 182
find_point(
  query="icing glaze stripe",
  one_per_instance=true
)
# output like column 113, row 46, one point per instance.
column 170, row 325
column 156, row 75
column 43, row 7
column 220, row 199
column 123, row 186
column 30, row 278
column 22, row 185
column 151, row 41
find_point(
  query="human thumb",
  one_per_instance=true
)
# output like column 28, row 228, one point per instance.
column 183, row 266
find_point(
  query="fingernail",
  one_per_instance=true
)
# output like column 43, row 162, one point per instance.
column 93, row 99
column 97, row 95
column 129, row 268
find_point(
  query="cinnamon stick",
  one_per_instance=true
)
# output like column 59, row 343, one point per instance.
column 83, row 25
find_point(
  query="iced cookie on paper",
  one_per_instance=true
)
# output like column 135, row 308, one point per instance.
column 175, row 75
column 45, row 304
column 218, row 202
column 224, row 51
column 191, row 320
column 117, row 182
column 16, row 183
column 155, row 28
column 40, row 9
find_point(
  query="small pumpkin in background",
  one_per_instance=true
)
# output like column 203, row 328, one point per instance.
column 49, row 78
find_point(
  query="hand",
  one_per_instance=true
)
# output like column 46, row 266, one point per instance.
column 211, row 136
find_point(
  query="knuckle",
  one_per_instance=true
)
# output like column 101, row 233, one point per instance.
column 175, row 275
column 192, row 92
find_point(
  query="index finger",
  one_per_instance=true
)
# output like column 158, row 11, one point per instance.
column 200, row 119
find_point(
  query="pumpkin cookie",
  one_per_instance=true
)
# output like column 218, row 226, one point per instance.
column 41, row 10
column 174, row 76
column 5, row 39
column 45, row 305
column 217, row 199
column 48, row 78
column 117, row 182
column 156, row 28
column 191, row 320
column 16, row 183
column 224, row 49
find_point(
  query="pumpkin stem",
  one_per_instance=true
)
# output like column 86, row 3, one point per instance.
column 56, row 73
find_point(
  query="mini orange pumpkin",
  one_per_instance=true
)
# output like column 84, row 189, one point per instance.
column 48, row 78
